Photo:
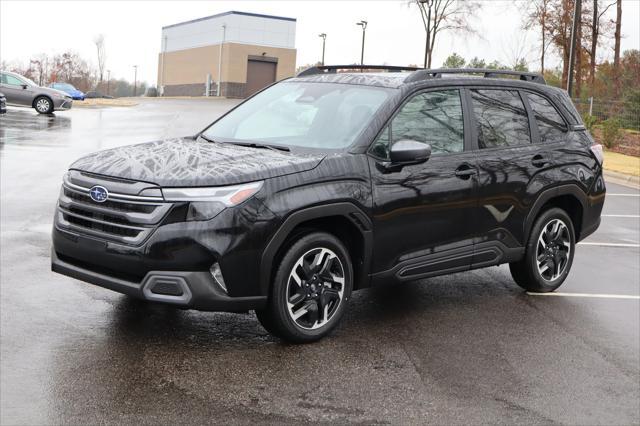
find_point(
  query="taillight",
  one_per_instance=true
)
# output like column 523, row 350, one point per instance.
column 596, row 148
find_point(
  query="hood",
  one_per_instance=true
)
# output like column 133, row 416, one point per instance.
column 51, row 91
column 189, row 162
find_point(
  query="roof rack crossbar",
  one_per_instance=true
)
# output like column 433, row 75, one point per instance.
column 332, row 69
column 486, row 73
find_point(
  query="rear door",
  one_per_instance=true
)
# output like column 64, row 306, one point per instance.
column 423, row 214
column 508, row 165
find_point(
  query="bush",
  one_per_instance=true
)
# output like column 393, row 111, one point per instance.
column 589, row 121
column 611, row 133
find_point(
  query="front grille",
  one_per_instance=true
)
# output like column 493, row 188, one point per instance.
column 113, row 205
column 123, row 218
column 101, row 227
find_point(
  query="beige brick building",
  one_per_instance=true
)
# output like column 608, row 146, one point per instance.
column 243, row 52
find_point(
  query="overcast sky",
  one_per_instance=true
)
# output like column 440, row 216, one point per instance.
column 395, row 34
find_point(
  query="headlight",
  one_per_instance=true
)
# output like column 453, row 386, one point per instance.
column 207, row 203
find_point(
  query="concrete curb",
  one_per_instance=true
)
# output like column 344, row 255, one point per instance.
column 622, row 179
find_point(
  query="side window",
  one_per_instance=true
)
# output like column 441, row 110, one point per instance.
column 11, row 80
column 501, row 118
column 551, row 126
column 431, row 117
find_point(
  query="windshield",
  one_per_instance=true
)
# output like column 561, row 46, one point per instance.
column 309, row 115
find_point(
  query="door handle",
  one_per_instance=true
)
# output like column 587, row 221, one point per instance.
column 539, row 160
column 465, row 171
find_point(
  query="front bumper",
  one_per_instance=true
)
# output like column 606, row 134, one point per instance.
column 62, row 104
column 185, row 289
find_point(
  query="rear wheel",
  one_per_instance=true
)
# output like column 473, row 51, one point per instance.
column 548, row 255
column 310, row 290
column 43, row 105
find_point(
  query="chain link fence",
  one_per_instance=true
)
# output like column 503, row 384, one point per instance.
column 627, row 113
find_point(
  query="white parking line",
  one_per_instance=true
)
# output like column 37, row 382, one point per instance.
column 609, row 244
column 622, row 215
column 622, row 195
column 599, row 296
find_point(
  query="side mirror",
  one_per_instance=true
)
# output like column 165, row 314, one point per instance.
column 24, row 87
column 405, row 152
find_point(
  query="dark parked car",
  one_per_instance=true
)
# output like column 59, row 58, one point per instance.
column 94, row 94
column 332, row 182
column 3, row 103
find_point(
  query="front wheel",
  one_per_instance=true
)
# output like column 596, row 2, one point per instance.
column 548, row 255
column 310, row 291
column 43, row 105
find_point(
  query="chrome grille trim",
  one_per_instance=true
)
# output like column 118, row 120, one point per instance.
column 123, row 218
column 112, row 195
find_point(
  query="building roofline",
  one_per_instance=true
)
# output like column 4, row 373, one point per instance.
column 231, row 12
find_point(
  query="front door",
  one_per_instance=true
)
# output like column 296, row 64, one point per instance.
column 424, row 214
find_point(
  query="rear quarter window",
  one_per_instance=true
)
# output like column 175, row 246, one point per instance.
column 551, row 125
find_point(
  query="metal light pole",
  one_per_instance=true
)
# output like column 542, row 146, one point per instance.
column 363, row 24
column 135, row 79
column 428, row 42
column 577, row 13
column 224, row 36
column 108, row 81
column 324, row 38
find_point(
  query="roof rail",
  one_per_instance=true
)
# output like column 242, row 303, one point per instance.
column 332, row 69
column 487, row 73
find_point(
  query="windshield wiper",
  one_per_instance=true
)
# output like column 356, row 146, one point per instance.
column 261, row 145
column 206, row 138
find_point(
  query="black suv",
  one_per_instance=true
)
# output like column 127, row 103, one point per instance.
column 331, row 182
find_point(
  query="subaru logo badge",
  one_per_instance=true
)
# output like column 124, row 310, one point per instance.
column 99, row 194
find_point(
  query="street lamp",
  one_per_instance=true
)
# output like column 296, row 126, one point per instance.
column 324, row 38
column 135, row 79
column 363, row 24
column 108, row 80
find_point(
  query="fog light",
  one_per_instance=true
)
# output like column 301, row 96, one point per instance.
column 216, row 273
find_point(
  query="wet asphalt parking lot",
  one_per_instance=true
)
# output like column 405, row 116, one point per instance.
column 460, row 349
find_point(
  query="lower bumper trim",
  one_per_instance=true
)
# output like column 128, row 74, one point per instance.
column 199, row 291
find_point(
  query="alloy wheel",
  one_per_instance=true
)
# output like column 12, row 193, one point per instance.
column 553, row 250
column 315, row 288
column 43, row 105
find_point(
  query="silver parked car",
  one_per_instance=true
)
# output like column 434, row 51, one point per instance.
column 21, row 91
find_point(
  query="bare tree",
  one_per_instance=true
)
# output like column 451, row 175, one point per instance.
column 598, row 28
column 102, row 55
column 442, row 15
column 39, row 67
column 616, row 49
column 537, row 16
column 516, row 52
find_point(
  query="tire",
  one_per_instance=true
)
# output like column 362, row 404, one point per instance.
column 548, row 255
column 43, row 105
column 310, row 291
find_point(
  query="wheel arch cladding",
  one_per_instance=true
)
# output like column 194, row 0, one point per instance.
column 569, row 198
column 344, row 220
